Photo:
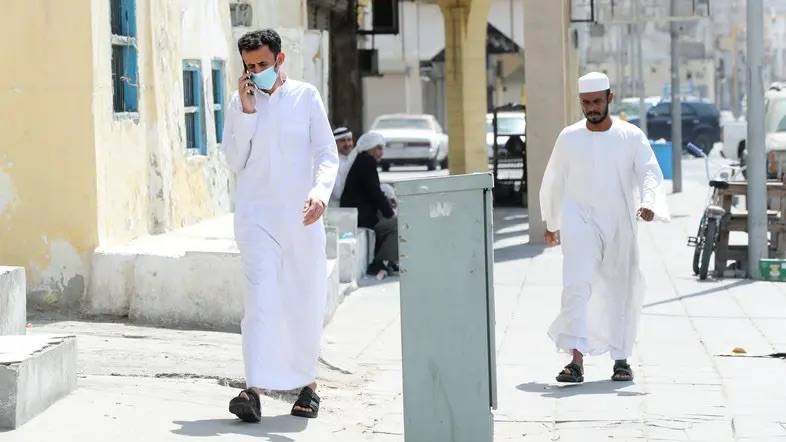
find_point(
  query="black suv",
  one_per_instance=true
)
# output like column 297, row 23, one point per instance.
column 700, row 123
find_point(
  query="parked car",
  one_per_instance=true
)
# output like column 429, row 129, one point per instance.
column 735, row 132
column 628, row 108
column 775, row 129
column 508, row 124
column 700, row 123
column 412, row 139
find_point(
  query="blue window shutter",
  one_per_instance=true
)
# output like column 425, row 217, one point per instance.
column 128, row 17
column 202, row 144
column 218, row 98
column 131, row 80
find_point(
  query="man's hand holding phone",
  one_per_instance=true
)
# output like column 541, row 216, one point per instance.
column 245, row 89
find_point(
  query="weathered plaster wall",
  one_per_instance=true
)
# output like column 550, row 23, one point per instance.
column 47, row 165
column 147, row 181
column 120, row 142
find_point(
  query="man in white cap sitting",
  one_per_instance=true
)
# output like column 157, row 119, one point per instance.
column 362, row 190
column 602, row 177
column 345, row 144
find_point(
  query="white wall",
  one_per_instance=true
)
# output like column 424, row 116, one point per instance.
column 421, row 36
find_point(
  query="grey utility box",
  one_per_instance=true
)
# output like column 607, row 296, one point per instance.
column 447, row 308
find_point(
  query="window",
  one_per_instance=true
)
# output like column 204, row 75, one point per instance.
column 125, row 81
column 194, row 106
column 241, row 14
column 219, row 94
column 662, row 109
column 403, row 123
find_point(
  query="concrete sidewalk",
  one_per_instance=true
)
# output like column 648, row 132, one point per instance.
column 147, row 384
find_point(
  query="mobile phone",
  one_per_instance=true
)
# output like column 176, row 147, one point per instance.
column 248, row 75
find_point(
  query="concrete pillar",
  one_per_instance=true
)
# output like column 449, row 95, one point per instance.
column 550, row 68
column 465, row 83
column 346, row 86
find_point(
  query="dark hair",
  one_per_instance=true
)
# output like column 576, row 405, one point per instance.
column 256, row 39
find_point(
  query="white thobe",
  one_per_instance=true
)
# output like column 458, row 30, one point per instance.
column 283, row 154
column 344, row 164
column 593, row 186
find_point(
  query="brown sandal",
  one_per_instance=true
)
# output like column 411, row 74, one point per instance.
column 572, row 373
column 248, row 410
column 622, row 372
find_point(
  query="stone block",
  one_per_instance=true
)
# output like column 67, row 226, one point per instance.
column 13, row 301
column 331, row 242
column 343, row 218
column 35, row 371
column 111, row 282
column 353, row 257
column 197, row 290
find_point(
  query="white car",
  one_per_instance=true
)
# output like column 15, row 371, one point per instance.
column 775, row 127
column 412, row 139
column 508, row 124
column 735, row 132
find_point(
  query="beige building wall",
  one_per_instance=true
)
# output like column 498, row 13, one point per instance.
column 147, row 181
column 75, row 175
column 551, row 75
column 48, row 199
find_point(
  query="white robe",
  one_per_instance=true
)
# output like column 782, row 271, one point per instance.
column 594, row 184
column 344, row 164
column 282, row 155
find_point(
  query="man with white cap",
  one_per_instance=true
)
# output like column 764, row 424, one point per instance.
column 601, row 177
column 362, row 190
column 345, row 144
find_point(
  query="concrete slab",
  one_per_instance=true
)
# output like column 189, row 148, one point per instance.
column 35, row 371
column 191, row 278
column 354, row 251
column 345, row 219
column 13, row 301
column 199, row 290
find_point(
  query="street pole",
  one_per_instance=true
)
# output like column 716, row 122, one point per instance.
column 640, row 89
column 676, row 110
column 757, row 173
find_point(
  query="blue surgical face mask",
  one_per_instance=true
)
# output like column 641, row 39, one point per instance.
column 265, row 79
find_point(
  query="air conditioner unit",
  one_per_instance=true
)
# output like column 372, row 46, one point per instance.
column 241, row 14
column 368, row 62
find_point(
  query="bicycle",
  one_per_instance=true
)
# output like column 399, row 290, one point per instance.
column 714, row 215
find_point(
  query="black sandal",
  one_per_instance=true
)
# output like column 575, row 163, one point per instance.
column 622, row 372
column 247, row 410
column 571, row 373
column 306, row 399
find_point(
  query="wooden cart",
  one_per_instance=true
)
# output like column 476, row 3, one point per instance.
column 738, row 222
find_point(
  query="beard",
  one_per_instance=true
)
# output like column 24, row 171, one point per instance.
column 597, row 117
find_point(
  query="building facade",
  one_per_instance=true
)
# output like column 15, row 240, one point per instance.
column 112, row 112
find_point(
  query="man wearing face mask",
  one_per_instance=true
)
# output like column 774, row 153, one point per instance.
column 601, row 177
column 278, row 141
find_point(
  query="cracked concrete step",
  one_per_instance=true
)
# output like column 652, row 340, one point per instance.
column 35, row 371
column 13, row 301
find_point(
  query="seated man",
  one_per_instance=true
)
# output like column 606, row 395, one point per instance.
column 345, row 145
column 362, row 190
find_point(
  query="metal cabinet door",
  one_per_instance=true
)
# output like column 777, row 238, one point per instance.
column 447, row 315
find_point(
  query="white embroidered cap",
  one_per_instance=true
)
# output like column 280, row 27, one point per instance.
column 594, row 82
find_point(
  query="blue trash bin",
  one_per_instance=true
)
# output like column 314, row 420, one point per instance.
column 663, row 155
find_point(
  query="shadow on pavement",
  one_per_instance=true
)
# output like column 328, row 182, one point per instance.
column 517, row 251
column 583, row 389
column 371, row 281
column 215, row 427
column 701, row 293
